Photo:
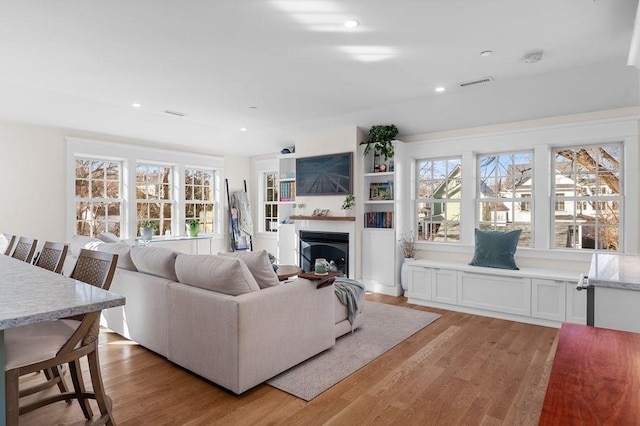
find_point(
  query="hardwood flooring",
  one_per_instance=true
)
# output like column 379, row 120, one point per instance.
column 462, row 369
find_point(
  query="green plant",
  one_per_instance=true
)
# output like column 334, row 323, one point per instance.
column 193, row 223
column 146, row 223
column 380, row 138
column 349, row 202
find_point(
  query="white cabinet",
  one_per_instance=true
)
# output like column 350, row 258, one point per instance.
column 548, row 299
column 511, row 295
column 444, row 286
column 378, row 267
column 420, row 279
column 287, row 237
column 576, row 311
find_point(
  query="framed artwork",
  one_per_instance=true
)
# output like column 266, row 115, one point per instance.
column 324, row 174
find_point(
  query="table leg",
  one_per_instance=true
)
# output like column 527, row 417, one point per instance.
column 3, row 402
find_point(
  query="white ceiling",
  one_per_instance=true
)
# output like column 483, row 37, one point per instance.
column 80, row 64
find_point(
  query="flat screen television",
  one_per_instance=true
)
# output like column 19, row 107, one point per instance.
column 324, row 174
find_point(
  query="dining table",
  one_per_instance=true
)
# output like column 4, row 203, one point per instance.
column 30, row 294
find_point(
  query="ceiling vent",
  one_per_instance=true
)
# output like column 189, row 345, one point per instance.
column 176, row 113
column 474, row 82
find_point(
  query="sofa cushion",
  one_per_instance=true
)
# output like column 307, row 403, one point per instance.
column 79, row 242
column 223, row 274
column 260, row 266
column 157, row 261
column 108, row 237
column 124, row 254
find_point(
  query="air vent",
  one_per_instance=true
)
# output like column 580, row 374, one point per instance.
column 176, row 113
column 473, row 82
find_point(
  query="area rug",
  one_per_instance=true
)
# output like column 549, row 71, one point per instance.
column 383, row 328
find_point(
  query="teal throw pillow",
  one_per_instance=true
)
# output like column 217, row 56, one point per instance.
column 495, row 249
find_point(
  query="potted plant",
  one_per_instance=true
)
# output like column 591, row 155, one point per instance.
column 380, row 138
column 193, row 226
column 146, row 229
column 347, row 204
column 408, row 251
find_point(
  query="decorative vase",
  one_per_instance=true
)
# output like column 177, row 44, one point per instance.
column 346, row 212
column 404, row 273
column 146, row 233
column 194, row 228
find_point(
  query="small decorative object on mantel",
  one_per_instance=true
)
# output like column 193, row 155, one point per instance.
column 320, row 212
column 408, row 251
column 347, row 204
column 380, row 138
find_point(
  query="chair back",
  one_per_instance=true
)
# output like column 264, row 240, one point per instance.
column 6, row 243
column 25, row 249
column 52, row 256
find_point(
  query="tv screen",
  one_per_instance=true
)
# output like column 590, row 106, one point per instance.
column 324, row 175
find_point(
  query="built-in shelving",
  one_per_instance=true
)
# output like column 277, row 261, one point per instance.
column 329, row 218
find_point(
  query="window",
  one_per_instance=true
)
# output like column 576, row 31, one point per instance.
column 199, row 198
column 98, row 202
column 438, row 200
column 590, row 181
column 505, row 184
column 559, row 202
column 154, row 196
column 270, row 201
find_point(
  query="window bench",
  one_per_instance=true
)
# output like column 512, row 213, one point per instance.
column 533, row 295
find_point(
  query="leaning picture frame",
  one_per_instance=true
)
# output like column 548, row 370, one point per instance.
column 324, row 175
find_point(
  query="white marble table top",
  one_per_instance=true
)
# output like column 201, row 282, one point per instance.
column 615, row 271
column 29, row 294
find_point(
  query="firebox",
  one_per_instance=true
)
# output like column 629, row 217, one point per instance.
column 332, row 246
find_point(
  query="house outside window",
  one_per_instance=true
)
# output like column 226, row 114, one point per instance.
column 199, row 198
column 154, row 196
column 439, row 191
column 560, row 202
column 589, row 182
column 98, row 199
column 270, row 201
column 505, row 185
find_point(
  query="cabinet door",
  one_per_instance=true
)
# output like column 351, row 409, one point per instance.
column 445, row 286
column 287, row 244
column 548, row 299
column 511, row 295
column 378, row 257
column 420, row 279
column 576, row 305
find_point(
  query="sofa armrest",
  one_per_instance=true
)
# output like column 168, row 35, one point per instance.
column 239, row 342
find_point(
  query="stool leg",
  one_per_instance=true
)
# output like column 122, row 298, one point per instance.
column 98, row 387
column 78, row 386
column 12, row 396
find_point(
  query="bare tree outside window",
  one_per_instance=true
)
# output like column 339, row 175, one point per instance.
column 98, row 199
column 505, row 185
column 438, row 200
column 199, row 198
column 154, row 198
column 588, row 183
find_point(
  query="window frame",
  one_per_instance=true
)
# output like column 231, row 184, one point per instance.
column 204, row 225
column 266, row 203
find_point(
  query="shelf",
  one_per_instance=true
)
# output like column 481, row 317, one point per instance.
column 287, row 179
column 287, row 202
column 328, row 218
column 388, row 174
column 379, row 202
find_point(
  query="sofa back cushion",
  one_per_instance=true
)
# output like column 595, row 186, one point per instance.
column 157, row 261
column 123, row 251
column 260, row 266
column 223, row 274
column 79, row 242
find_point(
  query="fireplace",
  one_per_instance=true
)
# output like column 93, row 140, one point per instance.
column 333, row 246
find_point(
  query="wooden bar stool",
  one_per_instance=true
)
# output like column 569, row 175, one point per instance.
column 25, row 249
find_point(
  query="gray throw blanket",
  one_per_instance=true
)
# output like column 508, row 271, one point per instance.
column 349, row 292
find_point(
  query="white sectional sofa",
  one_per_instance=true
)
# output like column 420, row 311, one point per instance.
column 210, row 315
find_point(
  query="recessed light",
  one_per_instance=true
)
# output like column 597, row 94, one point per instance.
column 440, row 89
column 243, row 129
column 352, row 23
column 136, row 105
column 486, row 53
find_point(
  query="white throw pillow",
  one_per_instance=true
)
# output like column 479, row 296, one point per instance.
column 124, row 254
column 157, row 261
column 79, row 242
column 108, row 237
column 223, row 274
column 260, row 266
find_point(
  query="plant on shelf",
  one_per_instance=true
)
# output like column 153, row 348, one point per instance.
column 146, row 229
column 194, row 227
column 380, row 138
column 349, row 202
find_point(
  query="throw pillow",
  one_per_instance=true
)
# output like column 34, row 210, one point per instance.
column 158, row 261
column 260, row 266
column 223, row 274
column 108, row 237
column 495, row 249
column 79, row 242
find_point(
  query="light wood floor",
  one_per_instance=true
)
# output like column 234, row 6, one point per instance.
column 462, row 369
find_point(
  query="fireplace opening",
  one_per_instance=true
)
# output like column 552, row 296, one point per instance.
column 332, row 246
